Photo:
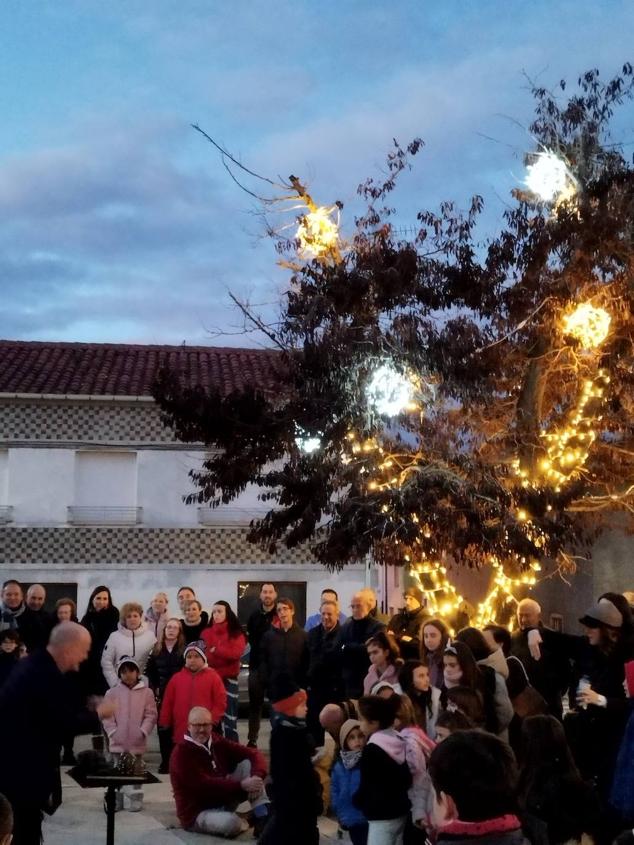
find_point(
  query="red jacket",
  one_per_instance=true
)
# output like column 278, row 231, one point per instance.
column 191, row 689
column 225, row 658
column 199, row 776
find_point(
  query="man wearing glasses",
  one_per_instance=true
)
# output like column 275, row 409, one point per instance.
column 211, row 776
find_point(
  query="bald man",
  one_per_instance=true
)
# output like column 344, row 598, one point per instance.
column 36, row 713
column 351, row 644
column 550, row 674
column 36, row 623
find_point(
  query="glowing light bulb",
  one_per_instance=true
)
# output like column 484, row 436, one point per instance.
column 389, row 391
column 550, row 178
column 317, row 233
column 308, row 444
column 588, row 325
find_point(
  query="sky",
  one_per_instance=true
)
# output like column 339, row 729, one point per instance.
column 119, row 222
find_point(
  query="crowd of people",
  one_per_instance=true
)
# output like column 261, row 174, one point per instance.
column 404, row 730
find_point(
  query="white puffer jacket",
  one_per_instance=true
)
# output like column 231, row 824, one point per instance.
column 123, row 642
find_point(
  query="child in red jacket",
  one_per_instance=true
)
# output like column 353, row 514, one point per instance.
column 225, row 643
column 196, row 685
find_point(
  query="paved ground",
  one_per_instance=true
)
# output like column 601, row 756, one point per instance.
column 81, row 819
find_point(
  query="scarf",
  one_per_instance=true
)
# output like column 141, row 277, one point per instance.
column 502, row 824
column 14, row 613
column 350, row 759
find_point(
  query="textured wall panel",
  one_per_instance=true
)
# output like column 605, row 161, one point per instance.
column 135, row 545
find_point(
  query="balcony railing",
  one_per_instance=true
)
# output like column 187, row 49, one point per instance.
column 6, row 514
column 80, row 515
column 227, row 516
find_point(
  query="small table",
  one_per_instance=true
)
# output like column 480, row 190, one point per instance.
column 112, row 783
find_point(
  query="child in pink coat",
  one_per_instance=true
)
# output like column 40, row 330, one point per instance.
column 131, row 718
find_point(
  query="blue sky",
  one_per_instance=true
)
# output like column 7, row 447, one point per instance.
column 119, row 223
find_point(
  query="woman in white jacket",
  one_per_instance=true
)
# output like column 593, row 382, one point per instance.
column 132, row 638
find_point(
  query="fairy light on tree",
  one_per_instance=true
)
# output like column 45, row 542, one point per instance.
column 550, row 179
column 318, row 232
column 587, row 324
column 391, row 392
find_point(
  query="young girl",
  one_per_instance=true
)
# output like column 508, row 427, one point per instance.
column 385, row 775
column 346, row 777
column 415, row 682
column 131, row 720
column 385, row 661
column 418, row 751
column 461, row 669
column 450, row 721
column 166, row 659
column 225, row 644
column 9, row 653
column 132, row 638
column 435, row 637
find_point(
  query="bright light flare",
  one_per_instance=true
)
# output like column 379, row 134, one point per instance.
column 587, row 324
column 307, row 444
column 549, row 178
column 390, row 392
column 317, row 233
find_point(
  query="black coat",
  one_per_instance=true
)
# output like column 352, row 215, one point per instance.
column 382, row 793
column 324, row 682
column 8, row 662
column 353, row 653
column 295, row 788
column 257, row 625
column 192, row 632
column 284, row 653
column 34, row 627
column 36, row 714
column 406, row 624
column 160, row 668
column 551, row 674
column 99, row 624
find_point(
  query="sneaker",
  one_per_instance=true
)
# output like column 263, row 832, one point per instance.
column 252, row 744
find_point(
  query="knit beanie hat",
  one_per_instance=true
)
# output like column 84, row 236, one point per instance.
column 198, row 646
column 286, row 696
column 126, row 660
column 415, row 592
column 348, row 725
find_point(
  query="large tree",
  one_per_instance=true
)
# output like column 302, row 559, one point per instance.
column 519, row 350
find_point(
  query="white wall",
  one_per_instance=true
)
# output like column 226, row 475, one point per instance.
column 4, row 477
column 41, row 485
column 105, row 479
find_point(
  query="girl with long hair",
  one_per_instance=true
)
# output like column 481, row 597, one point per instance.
column 100, row 620
column 167, row 658
column 415, row 682
column 461, row 669
column 224, row 645
column 385, row 662
column 434, row 641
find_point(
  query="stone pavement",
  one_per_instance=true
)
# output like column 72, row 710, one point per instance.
column 81, row 819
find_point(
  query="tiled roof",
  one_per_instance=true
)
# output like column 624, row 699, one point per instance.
column 109, row 369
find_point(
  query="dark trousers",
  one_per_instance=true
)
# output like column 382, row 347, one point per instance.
column 256, row 701
column 358, row 834
column 27, row 825
column 165, row 745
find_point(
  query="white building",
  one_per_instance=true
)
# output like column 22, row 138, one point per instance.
column 92, row 482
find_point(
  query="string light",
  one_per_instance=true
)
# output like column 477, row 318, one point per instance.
column 587, row 324
column 441, row 596
column 390, row 392
column 550, row 179
column 318, row 232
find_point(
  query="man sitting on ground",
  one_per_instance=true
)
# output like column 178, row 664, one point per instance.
column 211, row 776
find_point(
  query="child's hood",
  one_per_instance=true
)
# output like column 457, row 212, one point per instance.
column 391, row 742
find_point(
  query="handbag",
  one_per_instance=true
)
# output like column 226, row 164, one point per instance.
column 529, row 702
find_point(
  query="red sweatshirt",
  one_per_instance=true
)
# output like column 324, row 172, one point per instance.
column 186, row 690
column 225, row 658
column 199, row 775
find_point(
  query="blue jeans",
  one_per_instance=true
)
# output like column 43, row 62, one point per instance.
column 230, row 719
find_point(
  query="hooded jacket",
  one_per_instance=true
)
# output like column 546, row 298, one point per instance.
column 390, row 676
column 200, row 775
column 385, row 777
column 418, row 748
column 99, row 624
column 187, row 689
column 227, row 650
column 133, row 720
column 138, row 644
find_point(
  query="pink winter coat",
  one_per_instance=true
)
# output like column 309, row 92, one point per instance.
column 133, row 719
column 390, row 676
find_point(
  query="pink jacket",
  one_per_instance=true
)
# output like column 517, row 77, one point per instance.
column 390, row 676
column 133, row 720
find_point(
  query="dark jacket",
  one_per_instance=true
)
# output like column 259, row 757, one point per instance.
column 353, row 654
column 284, row 653
column 257, row 625
column 566, row 806
column 382, row 792
column 35, row 627
column 295, row 788
column 323, row 671
column 199, row 776
column 160, row 668
column 8, row 662
column 406, row 624
column 551, row 674
column 100, row 625
column 36, row 714
column 192, row 633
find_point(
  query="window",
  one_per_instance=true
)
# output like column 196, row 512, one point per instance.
column 105, row 488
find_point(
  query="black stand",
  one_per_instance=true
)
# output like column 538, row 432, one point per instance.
column 112, row 784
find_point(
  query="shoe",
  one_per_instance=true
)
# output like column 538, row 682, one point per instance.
column 252, row 744
column 163, row 770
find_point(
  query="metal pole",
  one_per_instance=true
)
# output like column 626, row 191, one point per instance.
column 111, row 803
